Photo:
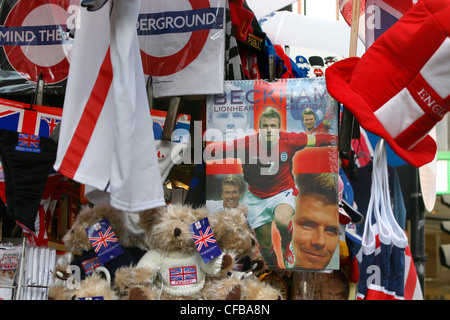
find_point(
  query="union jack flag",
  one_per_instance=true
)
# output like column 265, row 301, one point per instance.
column 102, row 239
column 48, row 124
column 90, row 265
column 183, row 275
column 17, row 116
column 10, row 119
column 204, row 240
column 28, row 140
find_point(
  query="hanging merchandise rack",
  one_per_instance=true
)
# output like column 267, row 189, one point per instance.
column 32, row 283
column 33, row 275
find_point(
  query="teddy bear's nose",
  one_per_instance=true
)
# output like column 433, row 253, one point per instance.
column 177, row 232
column 253, row 242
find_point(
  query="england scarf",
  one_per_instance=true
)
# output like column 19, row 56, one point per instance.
column 106, row 139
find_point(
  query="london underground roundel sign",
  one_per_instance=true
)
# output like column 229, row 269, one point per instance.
column 188, row 28
column 35, row 40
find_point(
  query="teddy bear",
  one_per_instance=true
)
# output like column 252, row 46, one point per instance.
column 77, row 241
column 173, row 266
column 234, row 236
column 95, row 286
column 240, row 286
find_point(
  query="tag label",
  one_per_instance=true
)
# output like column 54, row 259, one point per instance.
column 91, row 298
column 256, row 41
column 204, row 240
column 104, row 241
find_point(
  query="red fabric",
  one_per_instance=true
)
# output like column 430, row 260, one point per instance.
column 366, row 84
column 241, row 20
column 287, row 62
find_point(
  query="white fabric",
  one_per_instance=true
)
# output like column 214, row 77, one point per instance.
column 121, row 155
column 261, row 211
column 436, row 71
column 262, row 8
column 214, row 206
column 310, row 34
column 428, row 183
column 399, row 113
column 164, row 261
column 385, row 226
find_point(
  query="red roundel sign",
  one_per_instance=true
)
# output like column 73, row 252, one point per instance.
column 175, row 61
column 35, row 40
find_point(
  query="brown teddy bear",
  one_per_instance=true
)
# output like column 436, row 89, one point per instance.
column 171, row 249
column 240, row 286
column 95, row 286
column 234, row 236
column 77, row 241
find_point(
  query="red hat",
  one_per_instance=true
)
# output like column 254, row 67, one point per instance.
column 399, row 89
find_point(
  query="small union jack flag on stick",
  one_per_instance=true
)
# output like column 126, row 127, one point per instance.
column 104, row 241
column 204, row 240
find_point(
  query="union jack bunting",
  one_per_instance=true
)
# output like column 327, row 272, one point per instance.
column 47, row 125
column 183, row 275
column 204, row 240
column 17, row 116
column 104, row 241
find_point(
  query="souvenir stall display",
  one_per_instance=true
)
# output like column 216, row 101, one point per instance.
column 170, row 150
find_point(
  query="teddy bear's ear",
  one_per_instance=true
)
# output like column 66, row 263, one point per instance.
column 148, row 217
column 200, row 213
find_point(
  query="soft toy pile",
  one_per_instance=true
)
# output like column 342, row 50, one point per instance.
column 147, row 267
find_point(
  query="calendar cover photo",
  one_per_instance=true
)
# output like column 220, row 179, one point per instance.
column 272, row 146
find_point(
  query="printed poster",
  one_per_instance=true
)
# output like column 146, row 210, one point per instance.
column 182, row 40
column 273, row 147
